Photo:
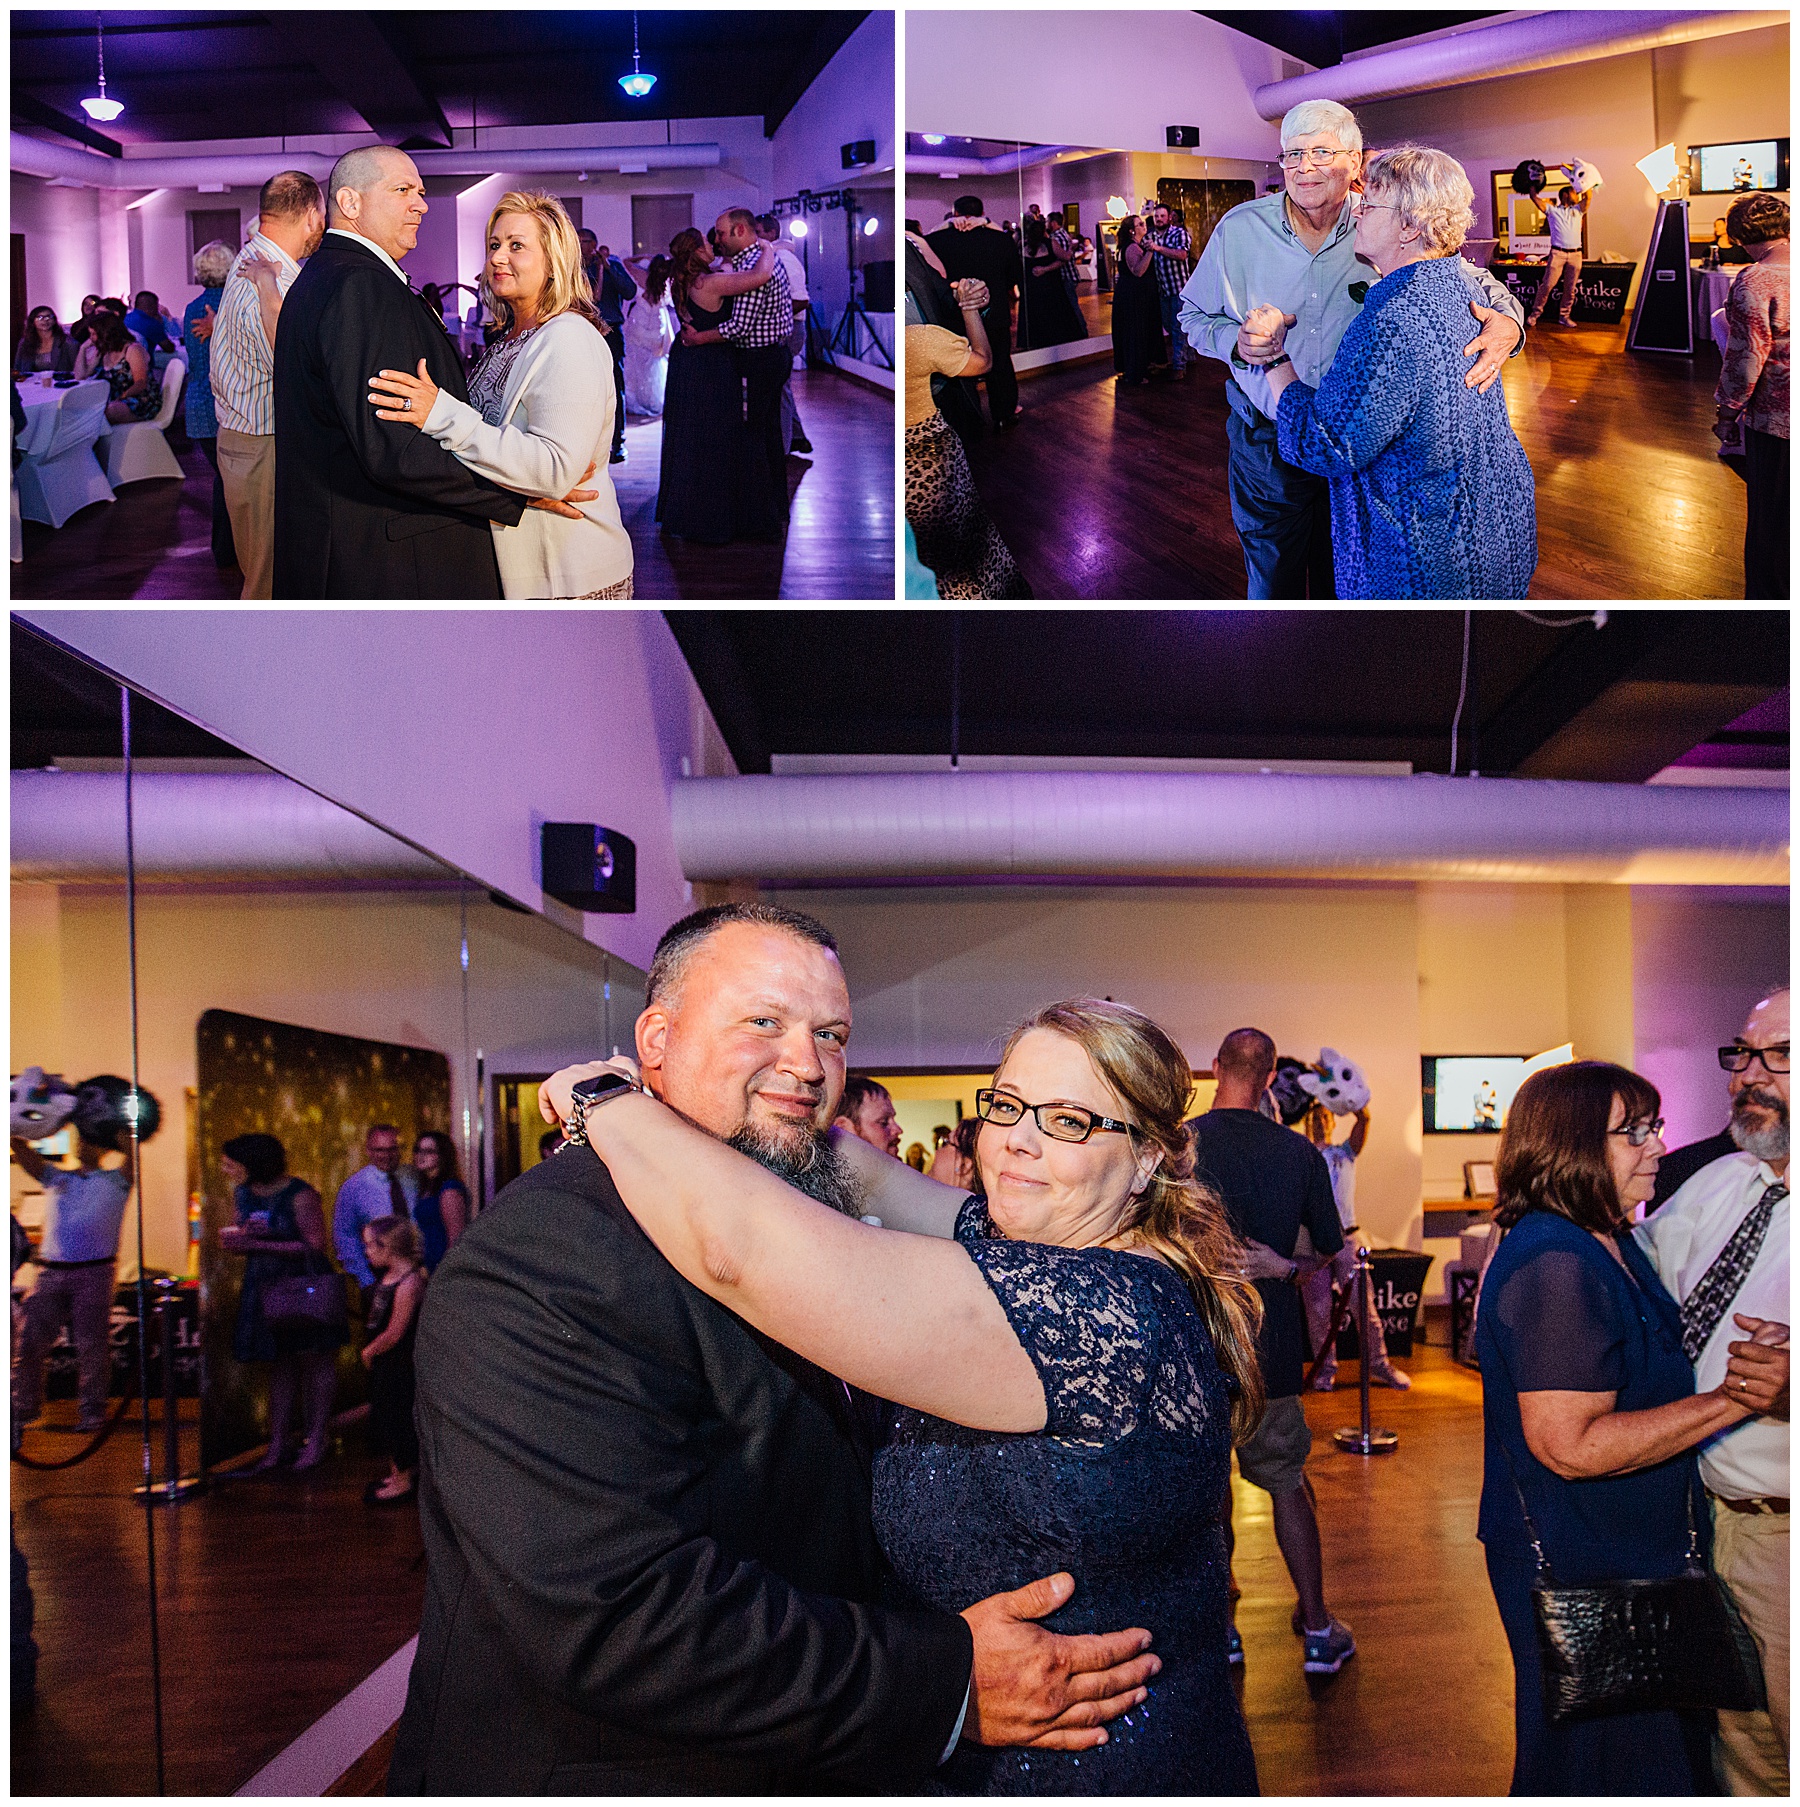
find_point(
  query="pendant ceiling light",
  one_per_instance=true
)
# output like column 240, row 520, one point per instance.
column 637, row 84
column 98, row 106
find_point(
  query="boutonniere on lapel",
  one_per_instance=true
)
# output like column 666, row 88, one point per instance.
column 1359, row 292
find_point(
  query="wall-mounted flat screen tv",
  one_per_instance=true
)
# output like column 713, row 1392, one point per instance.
column 1470, row 1094
column 1742, row 168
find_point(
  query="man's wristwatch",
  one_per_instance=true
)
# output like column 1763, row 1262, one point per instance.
column 586, row 1095
column 1293, row 1273
column 1282, row 359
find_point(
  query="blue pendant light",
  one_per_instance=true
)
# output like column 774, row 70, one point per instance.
column 637, row 84
column 98, row 106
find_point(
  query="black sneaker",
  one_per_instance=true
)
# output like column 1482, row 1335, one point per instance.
column 800, row 443
column 618, row 457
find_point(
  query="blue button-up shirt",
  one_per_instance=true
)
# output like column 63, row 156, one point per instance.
column 362, row 1198
column 1255, row 256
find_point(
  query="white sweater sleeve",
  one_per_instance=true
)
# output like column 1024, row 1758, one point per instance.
column 569, row 402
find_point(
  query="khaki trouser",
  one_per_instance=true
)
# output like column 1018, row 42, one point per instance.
column 247, row 469
column 82, row 1298
column 1750, row 1555
column 1566, row 267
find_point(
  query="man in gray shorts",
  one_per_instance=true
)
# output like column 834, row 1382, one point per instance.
column 1274, row 1183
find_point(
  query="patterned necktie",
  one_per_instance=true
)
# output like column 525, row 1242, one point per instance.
column 397, row 1196
column 1721, row 1283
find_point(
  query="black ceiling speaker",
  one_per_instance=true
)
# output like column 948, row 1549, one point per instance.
column 860, row 154
column 590, row 868
column 1183, row 137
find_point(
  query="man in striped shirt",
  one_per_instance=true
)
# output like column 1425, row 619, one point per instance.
column 758, row 328
column 290, row 225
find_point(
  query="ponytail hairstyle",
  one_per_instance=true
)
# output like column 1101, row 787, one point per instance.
column 1175, row 1216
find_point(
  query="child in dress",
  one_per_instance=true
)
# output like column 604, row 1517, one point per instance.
column 394, row 1251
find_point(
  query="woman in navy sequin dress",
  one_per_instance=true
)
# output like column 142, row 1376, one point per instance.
column 1071, row 1368
column 1431, row 492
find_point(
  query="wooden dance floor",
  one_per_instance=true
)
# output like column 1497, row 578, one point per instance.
column 153, row 542
column 1120, row 495
column 278, row 1597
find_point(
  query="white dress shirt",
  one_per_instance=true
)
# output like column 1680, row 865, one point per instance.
column 368, row 244
column 242, row 371
column 1749, row 1461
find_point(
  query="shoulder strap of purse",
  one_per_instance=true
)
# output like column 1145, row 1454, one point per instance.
column 1543, row 1562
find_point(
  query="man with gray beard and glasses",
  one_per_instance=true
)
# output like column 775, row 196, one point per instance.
column 652, row 1566
column 1720, row 1246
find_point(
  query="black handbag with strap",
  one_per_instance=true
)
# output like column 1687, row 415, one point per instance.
column 1673, row 1644
column 313, row 1300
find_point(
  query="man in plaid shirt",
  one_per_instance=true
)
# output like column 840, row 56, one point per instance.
column 1170, row 243
column 758, row 328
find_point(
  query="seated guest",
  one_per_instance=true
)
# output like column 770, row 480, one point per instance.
column 1431, row 492
column 146, row 321
column 956, row 536
column 112, row 354
column 1753, row 386
column 212, row 264
column 540, row 411
column 391, row 1247
column 44, row 346
column 1593, row 1421
column 79, row 331
column 442, row 1208
column 1137, row 314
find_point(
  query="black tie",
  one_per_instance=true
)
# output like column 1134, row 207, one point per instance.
column 1721, row 1283
column 397, row 1196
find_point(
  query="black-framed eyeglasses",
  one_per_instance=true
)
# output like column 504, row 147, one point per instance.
column 1737, row 1058
column 1637, row 1134
column 1317, row 155
column 1061, row 1122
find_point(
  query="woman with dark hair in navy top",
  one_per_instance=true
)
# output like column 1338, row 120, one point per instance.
column 442, row 1208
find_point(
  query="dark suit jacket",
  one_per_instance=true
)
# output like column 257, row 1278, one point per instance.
column 987, row 255
column 1681, row 1164
column 652, row 1568
column 614, row 288
column 955, row 395
column 368, row 508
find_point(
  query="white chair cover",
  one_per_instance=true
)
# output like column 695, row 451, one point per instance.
column 66, row 476
column 137, row 449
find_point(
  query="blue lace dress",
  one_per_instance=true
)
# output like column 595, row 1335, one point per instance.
column 1122, row 1489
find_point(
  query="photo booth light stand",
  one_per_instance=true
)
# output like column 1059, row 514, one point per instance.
column 843, row 341
column 1663, row 317
column 1363, row 1441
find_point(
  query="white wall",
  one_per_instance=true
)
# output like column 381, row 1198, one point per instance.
column 1700, row 960
column 459, row 730
column 1100, row 78
column 1613, row 111
column 62, row 244
column 852, row 97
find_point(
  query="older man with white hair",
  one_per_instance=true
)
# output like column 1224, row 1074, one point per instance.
column 1295, row 251
column 1720, row 1246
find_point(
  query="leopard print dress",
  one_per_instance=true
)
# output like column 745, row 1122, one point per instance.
column 956, row 536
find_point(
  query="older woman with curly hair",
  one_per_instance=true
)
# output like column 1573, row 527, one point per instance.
column 1753, row 386
column 1431, row 492
column 1072, row 1353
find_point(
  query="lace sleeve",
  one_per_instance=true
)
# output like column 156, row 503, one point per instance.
column 1560, row 1326
column 1088, row 1326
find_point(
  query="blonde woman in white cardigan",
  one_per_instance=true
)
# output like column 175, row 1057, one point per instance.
column 539, row 418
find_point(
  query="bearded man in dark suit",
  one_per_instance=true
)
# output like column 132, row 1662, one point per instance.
column 971, row 246
column 651, row 1563
column 367, row 508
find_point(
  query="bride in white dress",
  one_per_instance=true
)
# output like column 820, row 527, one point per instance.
column 650, row 330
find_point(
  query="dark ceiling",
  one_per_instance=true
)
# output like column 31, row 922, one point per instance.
column 409, row 76
column 1651, row 688
column 1324, row 38
column 1617, row 703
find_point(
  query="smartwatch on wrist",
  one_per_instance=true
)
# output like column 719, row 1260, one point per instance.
column 588, row 1093
column 1283, row 359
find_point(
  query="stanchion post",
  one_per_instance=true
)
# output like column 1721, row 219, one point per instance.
column 1364, row 1441
column 172, row 1487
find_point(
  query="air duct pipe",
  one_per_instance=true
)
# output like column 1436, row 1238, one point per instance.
column 1137, row 825
column 71, row 164
column 1542, row 41
column 1009, row 163
column 71, row 826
